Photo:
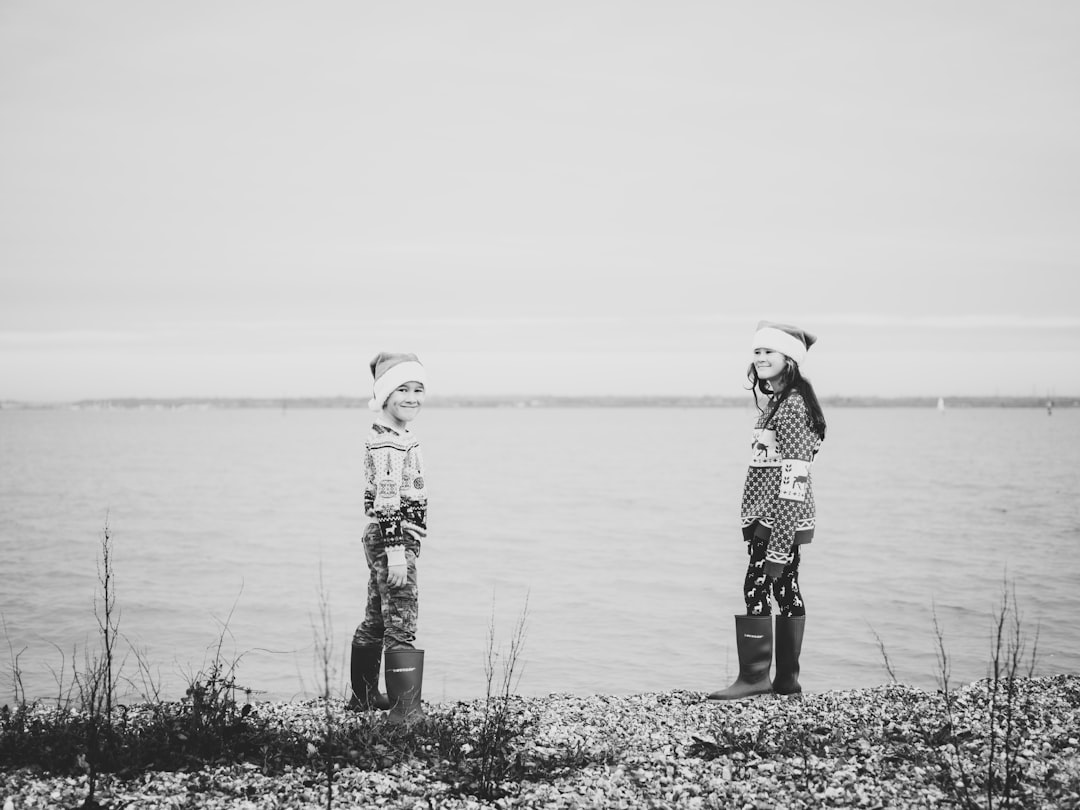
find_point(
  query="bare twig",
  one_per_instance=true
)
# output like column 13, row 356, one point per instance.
column 884, row 654
column 497, row 730
column 16, row 671
column 324, row 652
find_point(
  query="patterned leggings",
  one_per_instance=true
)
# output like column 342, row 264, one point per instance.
column 785, row 588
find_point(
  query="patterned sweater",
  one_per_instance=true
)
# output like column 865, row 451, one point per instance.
column 394, row 489
column 778, row 493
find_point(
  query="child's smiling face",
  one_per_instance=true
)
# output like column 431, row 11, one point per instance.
column 404, row 403
column 769, row 363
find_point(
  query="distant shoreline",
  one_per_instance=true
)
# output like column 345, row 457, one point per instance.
column 537, row 401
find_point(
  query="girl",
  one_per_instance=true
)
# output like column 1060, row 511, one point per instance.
column 777, row 511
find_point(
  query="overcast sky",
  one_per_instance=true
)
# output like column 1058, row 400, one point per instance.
column 252, row 198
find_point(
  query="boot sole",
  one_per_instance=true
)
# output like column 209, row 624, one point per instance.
column 718, row 699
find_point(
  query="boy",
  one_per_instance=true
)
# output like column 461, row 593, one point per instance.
column 395, row 498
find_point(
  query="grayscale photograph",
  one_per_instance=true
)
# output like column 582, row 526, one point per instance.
column 599, row 404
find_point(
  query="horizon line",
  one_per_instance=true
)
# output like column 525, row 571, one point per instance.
column 537, row 400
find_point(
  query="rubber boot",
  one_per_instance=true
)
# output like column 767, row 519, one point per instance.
column 404, row 682
column 364, row 666
column 754, row 640
column 789, row 633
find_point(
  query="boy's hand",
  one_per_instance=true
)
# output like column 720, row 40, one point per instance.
column 419, row 532
column 397, row 566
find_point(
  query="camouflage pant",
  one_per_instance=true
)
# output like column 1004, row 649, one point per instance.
column 390, row 615
column 757, row 585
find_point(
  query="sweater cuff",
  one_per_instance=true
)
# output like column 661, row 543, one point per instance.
column 395, row 555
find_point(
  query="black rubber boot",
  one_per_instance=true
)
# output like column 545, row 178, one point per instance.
column 404, row 683
column 754, row 639
column 364, row 666
column 789, row 633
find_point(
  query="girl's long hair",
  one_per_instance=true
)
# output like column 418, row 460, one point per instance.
column 791, row 379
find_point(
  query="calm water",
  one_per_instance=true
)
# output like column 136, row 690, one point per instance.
column 618, row 526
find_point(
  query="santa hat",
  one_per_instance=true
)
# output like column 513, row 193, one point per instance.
column 780, row 337
column 390, row 370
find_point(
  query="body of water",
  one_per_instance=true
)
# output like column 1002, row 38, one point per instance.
column 618, row 527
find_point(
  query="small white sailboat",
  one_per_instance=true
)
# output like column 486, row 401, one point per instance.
column 941, row 404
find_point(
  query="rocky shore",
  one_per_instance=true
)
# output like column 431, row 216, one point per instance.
column 888, row 747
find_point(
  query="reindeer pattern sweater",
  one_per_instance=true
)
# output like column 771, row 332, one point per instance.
column 778, row 492
column 394, row 488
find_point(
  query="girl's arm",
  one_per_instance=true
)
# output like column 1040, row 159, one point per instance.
column 796, row 443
